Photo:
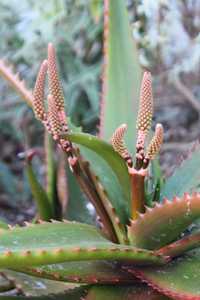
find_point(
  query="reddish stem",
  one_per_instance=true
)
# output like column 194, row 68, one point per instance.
column 137, row 192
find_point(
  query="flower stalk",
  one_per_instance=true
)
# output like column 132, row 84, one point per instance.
column 142, row 157
column 137, row 192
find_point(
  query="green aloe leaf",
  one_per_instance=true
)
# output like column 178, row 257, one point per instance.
column 109, row 181
column 106, row 151
column 32, row 286
column 50, row 243
column 39, row 194
column 155, row 182
column 186, row 178
column 179, row 279
column 90, row 272
column 133, row 292
column 77, row 202
column 165, row 222
column 72, row 294
column 106, row 169
column 122, row 74
column 6, row 284
column 188, row 242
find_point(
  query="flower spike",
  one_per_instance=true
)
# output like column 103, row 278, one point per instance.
column 144, row 117
column 38, row 93
column 146, row 104
column 156, row 143
column 119, row 145
column 54, row 82
column 55, row 125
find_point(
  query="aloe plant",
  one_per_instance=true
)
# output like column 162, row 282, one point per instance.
column 145, row 244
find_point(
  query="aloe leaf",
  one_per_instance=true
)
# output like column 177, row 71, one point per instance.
column 179, row 279
column 39, row 194
column 106, row 151
column 102, row 167
column 133, row 292
column 16, row 83
column 32, row 286
column 109, row 181
column 50, row 243
column 165, row 222
column 90, row 272
column 5, row 283
column 156, row 180
column 186, row 177
column 122, row 74
column 77, row 202
column 117, row 226
column 188, row 242
column 72, row 294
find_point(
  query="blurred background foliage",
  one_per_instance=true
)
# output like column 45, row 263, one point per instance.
column 168, row 37
column 26, row 30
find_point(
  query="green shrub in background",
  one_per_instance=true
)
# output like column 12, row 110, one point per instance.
column 26, row 29
column 70, row 26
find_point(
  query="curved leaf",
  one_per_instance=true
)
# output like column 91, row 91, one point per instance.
column 165, row 222
column 122, row 74
column 6, row 284
column 32, row 286
column 188, row 242
column 73, row 294
column 180, row 279
column 118, row 194
column 50, row 243
column 98, row 272
column 39, row 194
column 77, row 202
column 106, row 151
column 109, row 181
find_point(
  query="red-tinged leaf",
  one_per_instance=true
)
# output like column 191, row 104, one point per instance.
column 89, row 272
column 180, row 279
column 130, row 292
column 181, row 246
column 7, row 73
column 165, row 222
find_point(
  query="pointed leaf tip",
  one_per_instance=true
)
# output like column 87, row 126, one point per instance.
column 179, row 279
